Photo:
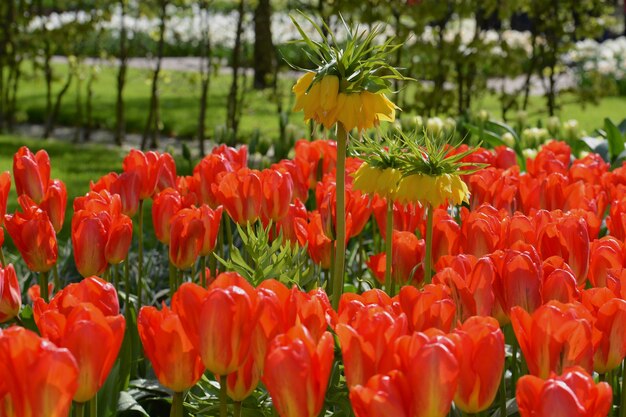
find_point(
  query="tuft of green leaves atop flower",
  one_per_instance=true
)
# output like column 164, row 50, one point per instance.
column 360, row 63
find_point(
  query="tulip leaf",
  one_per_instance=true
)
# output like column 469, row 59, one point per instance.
column 615, row 139
column 128, row 406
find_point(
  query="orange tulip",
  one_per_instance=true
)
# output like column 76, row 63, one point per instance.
column 429, row 357
column 573, row 394
column 146, row 166
column 383, row 395
column 37, row 378
column 241, row 193
column 429, row 307
column 241, row 383
column 186, row 237
column 605, row 253
column 300, row 182
column 446, row 235
column 480, row 353
column 54, row 203
column 100, row 236
column 480, row 230
column 72, row 321
column 238, row 158
column 31, row 173
column 518, row 280
column 367, row 343
column 297, row 368
column 609, row 326
column 176, row 362
column 406, row 217
column 277, row 194
column 164, row 207
column 312, row 235
column 559, row 282
column 220, row 322
column 128, row 186
column 211, row 220
column 208, row 174
column 5, row 187
column 33, row 235
column 554, row 337
column 286, row 226
column 406, row 263
column 10, row 294
column 568, row 238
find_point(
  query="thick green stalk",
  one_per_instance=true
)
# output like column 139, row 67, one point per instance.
column 57, row 280
column 93, row 407
column 140, row 255
column 43, row 285
column 622, row 404
column 237, row 409
column 223, row 397
column 177, row 405
column 203, row 271
column 340, row 233
column 429, row 245
column 79, row 409
column 389, row 285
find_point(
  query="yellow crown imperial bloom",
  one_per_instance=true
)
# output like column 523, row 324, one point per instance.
column 372, row 180
column 434, row 190
column 317, row 99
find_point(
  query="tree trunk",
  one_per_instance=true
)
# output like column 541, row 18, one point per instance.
column 120, row 121
column 264, row 54
column 233, row 100
column 205, row 74
column 153, row 122
column 50, row 121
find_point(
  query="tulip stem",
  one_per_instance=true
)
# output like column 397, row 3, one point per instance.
column 4, row 262
column 93, row 407
column 79, row 409
column 389, row 285
column 57, row 280
column 237, row 409
column 622, row 404
column 340, row 233
column 229, row 234
column 203, row 271
column 43, row 285
column 223, row 397
column 173, row 279
column 126, row 284
column 503, row 394
column 429, row 245
column 140, row 255
column 177, row 405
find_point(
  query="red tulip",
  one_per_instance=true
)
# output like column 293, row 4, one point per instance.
column 164, row 207
column 367, row 343
column 606, row 253
column 240, row 193
column 554, row 337
column 241, row 383
column 92, row 290
column 554, row 156
column 175, row 361
column 429, row 307
column 406, row 217
column 559, row 282
column 286, row 225
column 74, row 323
column 146, row 166
column 220, row 322
column 238, row 158
column 33, row 235
column 54, row 203
column 128, row 186
column 37, row 378
column 31, row 173
column 573, row 394
column 186, row 237
column 481, row 230
column 480, row 353
column 208, row 175
column 312, row 235
column 211, row 220
column 518, row 280
column 5, row 187
column 309, row 155
column 446, row 235
column 429, row 357
column 10, row 294
column 609, row 326
column 459, row 290
column 297, row 368
column 300, row 182
column 383, row 395
column 277, row 193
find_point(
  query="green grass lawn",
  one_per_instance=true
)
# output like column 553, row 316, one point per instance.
column 179, row 94
column 180, row 103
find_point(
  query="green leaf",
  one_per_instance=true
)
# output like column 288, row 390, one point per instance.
column 615, row 139
column 128, row 406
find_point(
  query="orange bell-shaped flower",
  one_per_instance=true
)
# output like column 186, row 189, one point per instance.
column 174, row 359
column 36, row 377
